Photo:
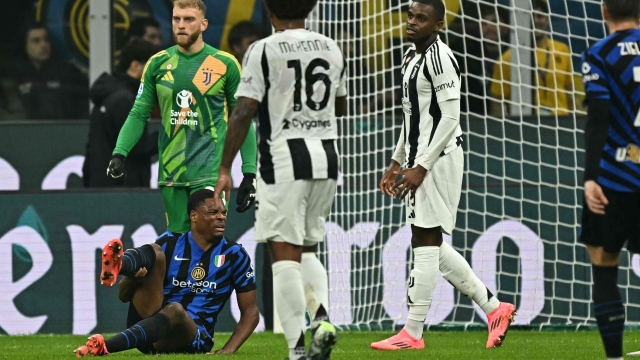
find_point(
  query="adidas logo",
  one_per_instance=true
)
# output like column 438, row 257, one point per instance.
column 494, row 324
column 402, row 345
column 168, row 76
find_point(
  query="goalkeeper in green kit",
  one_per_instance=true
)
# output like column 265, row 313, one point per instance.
column 194, row 85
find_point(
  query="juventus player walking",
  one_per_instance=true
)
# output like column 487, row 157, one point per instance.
column 429, row 144
column 295, row 79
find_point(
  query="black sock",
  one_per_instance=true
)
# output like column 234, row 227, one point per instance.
column 608, row 308
column 141, row 335
column 137, row 258
column 321, row 314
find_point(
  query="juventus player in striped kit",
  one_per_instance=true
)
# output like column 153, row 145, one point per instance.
column 429, row 145
column 295, row 80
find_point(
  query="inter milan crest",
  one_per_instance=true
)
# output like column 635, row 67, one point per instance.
column 198, row 273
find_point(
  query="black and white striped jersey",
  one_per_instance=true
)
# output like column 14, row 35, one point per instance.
column 427, row 80
column 296, row 76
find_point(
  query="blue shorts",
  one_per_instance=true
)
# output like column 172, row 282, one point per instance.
column 202, row 342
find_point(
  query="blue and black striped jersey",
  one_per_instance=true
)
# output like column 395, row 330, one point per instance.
column 202, row 281
column 611, row 72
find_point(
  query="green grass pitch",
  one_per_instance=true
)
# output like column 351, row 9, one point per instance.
column 355, row 345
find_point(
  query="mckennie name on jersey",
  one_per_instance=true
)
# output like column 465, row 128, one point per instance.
column 295, row 75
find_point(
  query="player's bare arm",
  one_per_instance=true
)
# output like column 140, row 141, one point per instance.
column 595, row 136
column 341, row 106
column 127, row 287
column 249, row 318
column 236, row 134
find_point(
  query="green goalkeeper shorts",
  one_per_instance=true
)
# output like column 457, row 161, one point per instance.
column 175, row 200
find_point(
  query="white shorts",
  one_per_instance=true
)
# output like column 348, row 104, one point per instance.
column 437, row 198
column 294, row 212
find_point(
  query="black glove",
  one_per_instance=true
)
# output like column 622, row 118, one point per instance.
column 246, row 193
column 115, row 171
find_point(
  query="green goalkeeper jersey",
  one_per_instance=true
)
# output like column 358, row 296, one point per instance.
column 196, row 94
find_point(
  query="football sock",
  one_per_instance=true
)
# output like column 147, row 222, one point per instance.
column 298, row 352
column 137, row 258
column 608, row 308
column 316, row 287
column 141, row 335
column 422, row 284
column 456, row 270
column 290, row 303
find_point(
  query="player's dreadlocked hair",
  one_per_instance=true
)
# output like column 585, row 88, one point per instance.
column 197, row 199
column 622, row 9
column 436, row 5
column 198, row 4
column 290, row 10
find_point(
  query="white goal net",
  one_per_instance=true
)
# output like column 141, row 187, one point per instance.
column 519, row 215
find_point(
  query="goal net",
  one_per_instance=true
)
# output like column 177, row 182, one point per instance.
column 519, row 214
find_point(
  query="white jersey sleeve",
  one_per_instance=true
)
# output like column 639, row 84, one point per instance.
column 445, row 73
column 399, row 154
column 252, row 82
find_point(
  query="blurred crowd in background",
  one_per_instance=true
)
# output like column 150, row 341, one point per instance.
column 41, row 82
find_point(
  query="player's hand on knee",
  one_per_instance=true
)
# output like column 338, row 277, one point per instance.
column 595, row 198
column 115, row 170
column 142, row 272
column 246, row 196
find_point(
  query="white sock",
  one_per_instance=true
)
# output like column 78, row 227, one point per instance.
column 289, row 294
column 457, row 271
column 422, row 284
column 316, row 284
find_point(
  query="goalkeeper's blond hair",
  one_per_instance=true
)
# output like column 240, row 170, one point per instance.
column 197, row 4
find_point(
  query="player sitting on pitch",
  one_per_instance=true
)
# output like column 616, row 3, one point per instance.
column 177, row 286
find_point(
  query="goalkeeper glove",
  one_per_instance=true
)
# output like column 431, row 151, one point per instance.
column 115, row 171
column 246, row 193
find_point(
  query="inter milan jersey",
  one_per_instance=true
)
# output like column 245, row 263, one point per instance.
column 202, row 281
column 611, row 72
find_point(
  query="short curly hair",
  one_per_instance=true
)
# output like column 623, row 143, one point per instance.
column 622, row 9
column 290, row 10
column 198, row 4
column 198, row 198
column 436, row 5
